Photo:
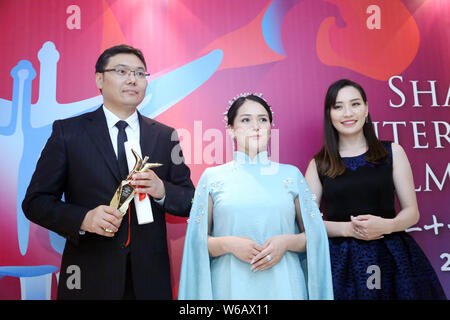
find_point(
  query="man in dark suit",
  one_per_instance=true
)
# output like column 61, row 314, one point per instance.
column 115, row 257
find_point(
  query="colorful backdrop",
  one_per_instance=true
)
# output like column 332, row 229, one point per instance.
column 200, row 54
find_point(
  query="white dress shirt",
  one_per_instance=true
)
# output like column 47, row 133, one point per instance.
column 132, row 131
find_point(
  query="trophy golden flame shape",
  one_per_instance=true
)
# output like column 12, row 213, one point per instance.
column 125, row 191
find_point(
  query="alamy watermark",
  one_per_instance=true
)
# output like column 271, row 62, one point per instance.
column 74, row 279
column 215, row 147
column 374, row 280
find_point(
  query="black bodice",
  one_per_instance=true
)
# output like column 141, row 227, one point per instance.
column 364, row 188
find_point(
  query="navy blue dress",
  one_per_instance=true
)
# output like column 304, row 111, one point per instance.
column 401, row 266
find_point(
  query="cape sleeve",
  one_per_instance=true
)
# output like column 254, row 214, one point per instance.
column 316, row 262
column 195, row 275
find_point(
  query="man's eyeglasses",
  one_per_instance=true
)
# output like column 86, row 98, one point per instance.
column 125, row 72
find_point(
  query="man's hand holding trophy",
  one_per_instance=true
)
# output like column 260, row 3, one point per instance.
column 125, row 191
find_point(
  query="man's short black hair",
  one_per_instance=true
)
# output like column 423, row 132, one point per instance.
column 102, row 61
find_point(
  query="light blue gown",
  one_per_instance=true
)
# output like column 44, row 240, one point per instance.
column 255, row 199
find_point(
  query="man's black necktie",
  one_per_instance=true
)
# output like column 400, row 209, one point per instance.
column 121, row 155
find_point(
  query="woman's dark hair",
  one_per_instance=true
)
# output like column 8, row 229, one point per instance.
column 237, row 103
column 328, row 160
column 102, row 61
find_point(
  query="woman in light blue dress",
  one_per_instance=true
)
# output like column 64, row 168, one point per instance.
column 254, row 231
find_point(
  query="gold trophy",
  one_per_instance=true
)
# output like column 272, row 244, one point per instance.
column 125, row 191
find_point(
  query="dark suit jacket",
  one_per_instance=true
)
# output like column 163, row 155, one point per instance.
column 79, row 162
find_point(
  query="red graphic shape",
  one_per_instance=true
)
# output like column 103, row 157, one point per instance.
column 376, row 53
column 112, row 33
column 245, row 46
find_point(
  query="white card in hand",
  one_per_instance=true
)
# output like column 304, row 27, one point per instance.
column 143, row 207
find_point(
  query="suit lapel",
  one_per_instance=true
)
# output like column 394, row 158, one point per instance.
column 97, row 130
column 148, row 137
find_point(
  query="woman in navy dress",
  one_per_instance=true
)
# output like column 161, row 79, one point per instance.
column 358, row 176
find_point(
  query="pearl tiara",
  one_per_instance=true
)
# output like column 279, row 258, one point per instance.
column 243, row 95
